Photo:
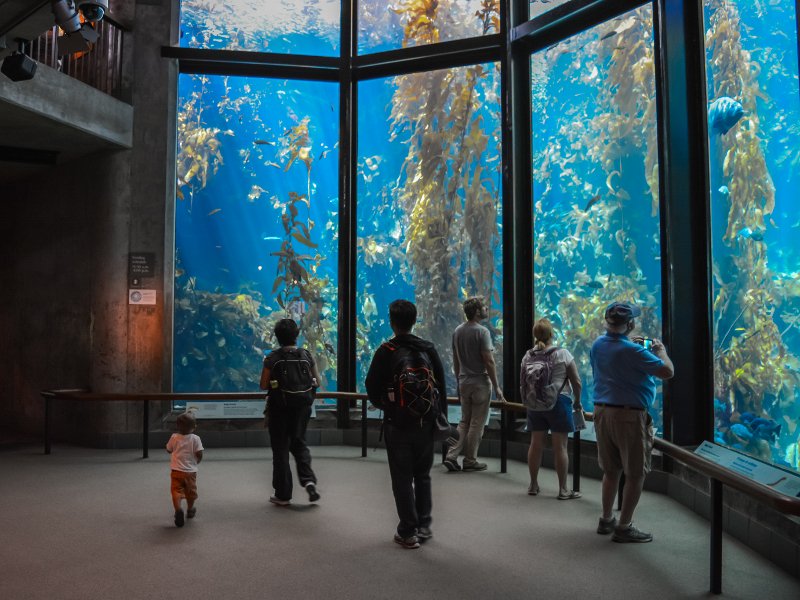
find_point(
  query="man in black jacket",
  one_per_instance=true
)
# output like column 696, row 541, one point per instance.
column 409, row 443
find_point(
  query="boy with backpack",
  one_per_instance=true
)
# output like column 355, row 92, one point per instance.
column 406, row 381
column 291, row 377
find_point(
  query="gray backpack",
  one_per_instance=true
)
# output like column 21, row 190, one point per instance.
column 536, row 385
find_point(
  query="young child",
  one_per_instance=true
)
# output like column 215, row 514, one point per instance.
column 187, row 451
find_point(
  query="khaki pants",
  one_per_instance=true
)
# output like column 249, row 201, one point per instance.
column 475, row 399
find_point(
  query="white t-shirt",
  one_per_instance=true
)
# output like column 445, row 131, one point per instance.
column 183, row 449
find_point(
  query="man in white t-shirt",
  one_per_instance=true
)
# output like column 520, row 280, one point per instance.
column 473, row 363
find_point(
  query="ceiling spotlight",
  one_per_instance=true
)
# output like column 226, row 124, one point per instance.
column 79, row 36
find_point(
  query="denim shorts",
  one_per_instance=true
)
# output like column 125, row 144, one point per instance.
column 558, row 419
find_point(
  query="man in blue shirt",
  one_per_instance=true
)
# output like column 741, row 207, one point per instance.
column 624, row 387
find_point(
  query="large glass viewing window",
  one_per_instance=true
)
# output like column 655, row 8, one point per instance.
column 429, row 200
column 386, row 25
column 753, row 122
column 281, row 26
column 595, row 184
column 255, row 226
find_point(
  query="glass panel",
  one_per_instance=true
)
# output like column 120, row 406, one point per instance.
column 754, row 127
column 539, row 7
column 386, row 25
column 282, row 26
column 255, row 226
column 429, row 219
column 595, row 187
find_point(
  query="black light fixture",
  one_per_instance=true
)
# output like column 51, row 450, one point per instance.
column 18, row 66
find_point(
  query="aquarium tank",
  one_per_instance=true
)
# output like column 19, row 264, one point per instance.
column 754, row 167
column 256, row 209
column 595, row 184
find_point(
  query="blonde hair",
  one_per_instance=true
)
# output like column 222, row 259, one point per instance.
column 542, row 333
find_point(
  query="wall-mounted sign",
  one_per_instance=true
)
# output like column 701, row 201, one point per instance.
column 141, row 264
column 142, row 297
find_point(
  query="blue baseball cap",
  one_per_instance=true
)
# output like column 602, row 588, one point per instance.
column 619, row 313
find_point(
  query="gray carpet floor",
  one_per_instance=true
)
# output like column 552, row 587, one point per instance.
column 97, row 524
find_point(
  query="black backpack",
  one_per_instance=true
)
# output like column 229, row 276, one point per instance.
column 291, row 379
column 413, row 396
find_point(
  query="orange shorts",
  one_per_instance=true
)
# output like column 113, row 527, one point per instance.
column 184, row 485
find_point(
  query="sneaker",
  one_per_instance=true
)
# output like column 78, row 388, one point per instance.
column 476, row 466
column 313, row 494
column 179, row 518
column 279, row 502
column 409, row 543
column 424, row 534
column 631, row 534
column 569, row 495
column 452, row 465
column 191, row 512
column 606, row 526
column 533, row 490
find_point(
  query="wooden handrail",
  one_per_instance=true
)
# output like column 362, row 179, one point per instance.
column 759, row 491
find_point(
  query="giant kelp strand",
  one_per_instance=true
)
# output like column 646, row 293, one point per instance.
column 199, row 148
column 450, row 207
column 755, row 373
column 297, row 288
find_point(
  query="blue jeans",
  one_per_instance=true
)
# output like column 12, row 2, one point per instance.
column 410, row 454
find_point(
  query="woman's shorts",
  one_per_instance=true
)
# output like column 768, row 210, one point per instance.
column 558, row 419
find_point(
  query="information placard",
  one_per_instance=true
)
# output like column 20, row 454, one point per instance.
column 782, row 481
column 245, row 409
column 147, row 297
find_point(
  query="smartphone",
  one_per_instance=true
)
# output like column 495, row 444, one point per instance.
column 647, row 343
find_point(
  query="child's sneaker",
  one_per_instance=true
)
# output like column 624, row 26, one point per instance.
column 179, row 517
column 279, row 502
column 313, row 494
column 191, row 512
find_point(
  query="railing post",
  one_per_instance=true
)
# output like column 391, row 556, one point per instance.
column 576, row 461
column 47, row 401
column 146, row 429
column 716, row 536
column 504, row 418
column 364, row 427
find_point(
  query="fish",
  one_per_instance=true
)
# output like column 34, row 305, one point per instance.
column 748, row 233
column 723, row 114
column 592, row 201
column 595, row 285
column 330, row 348
column 611, row 33
column 263, row 143
column 215, row 211
column 723, row 189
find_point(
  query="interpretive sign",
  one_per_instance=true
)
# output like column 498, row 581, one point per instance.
column 141, row 264
column 245, row 409
column 782, row 481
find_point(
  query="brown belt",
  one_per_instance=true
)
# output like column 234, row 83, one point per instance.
column 624, row 406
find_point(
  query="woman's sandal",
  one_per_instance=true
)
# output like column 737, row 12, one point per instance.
column 570, row 495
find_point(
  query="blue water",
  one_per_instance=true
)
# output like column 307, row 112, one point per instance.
column 596, row 239
column 596, row 234
column 757, row 345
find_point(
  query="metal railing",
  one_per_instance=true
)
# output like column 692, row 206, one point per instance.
column 718, row 475
column 99, row 67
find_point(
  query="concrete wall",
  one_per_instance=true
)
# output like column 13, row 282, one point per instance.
column 65, row 235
